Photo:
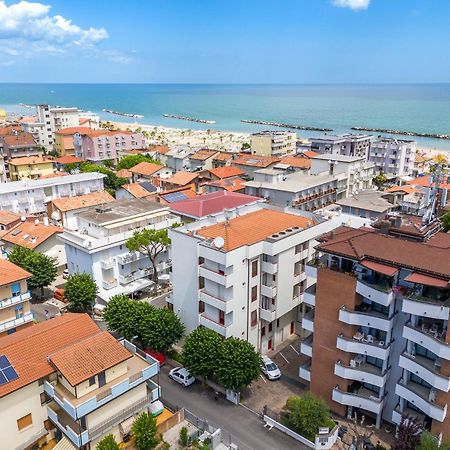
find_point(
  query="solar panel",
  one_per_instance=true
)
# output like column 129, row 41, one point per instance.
column 175, row 197
column 16, row 232
column 7, row 371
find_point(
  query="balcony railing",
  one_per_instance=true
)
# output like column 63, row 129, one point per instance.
column 420, row 305
column 379, row 293
column 220, row 328
column 109, row 284
column 15, row 299
column 369, row 318
column 215, row 301
column 26, row 318
column 435, row 344
column 363, row 399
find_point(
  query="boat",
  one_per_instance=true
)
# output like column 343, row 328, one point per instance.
column 286, row 125
column 118, row 113
column 189, row 119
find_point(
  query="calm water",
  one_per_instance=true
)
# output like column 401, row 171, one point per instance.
column 424, row 108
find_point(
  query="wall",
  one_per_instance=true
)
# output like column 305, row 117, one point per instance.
column 54, row 248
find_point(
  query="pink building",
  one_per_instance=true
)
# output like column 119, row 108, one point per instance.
column 100, row 145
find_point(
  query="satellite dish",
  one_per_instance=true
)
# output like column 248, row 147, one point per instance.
column 218, row 242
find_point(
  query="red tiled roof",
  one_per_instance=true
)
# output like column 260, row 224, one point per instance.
column 7, row 217
column 310, row 153
column 69, row 131
column 224, row 156
column 427, row 280
column 146, row 168
column 231, row 184
column 203, row 154
column 10, row 273
column 296, row 161
column 29, row 234
column 29, row 160
column 83, row 201
column 124, row 173
column 256, row 160
column 181, row 178
column 22, row 138
column 425, row 181
column 96, row 133
column 227, row 172
column 407, row 189
column 136, row 190
column 68, row 159
column 212, row 203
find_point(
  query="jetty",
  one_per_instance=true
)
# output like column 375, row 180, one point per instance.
column 118, row 113
column 286, row 125
column 404, row 133
column 189, row 119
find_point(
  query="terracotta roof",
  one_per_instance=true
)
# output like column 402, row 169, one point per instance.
column 310, row 153
column 10, row 273
column 124, row 173
column 22, row 138
column 28, row 119
column 422, row 158
column 29, row 160
column 68, row 159
column 136, row 190
column 95, row 133
column 54, row 175
column 425, row 181
column 203, row 154
column 8, row 129
column 28, row 349
column 231, row 184
column 296, row 161
column 160, row 149
column 7, row 217
column 253, row 227
column 427, row 280
column 146, row 168
column 223, row 156
column 29, row 234
column 406, row 188
column 83, row 201
column 256, row 160
column 181, row 178
column 69, row 131
column 360, row 244
column 227, row 172
column 212, row 203
column 84, row 359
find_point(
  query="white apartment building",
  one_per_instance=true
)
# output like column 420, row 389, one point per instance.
column 241, row 272
column 40, row 133
column 32, row 196
column 393, row 157
column 274, row 143
column 98, row 245
column 343, row 144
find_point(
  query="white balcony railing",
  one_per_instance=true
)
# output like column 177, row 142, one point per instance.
column 420, row 306
column 309, row 296
column 109, row 284
column 222, row 329
column 212, row 300
column 306, row 346
column 305, row 372
column 269, row 267
column 366, row 319
column 269, row 315
column 358, row 400
column 26, row 318
column 218, row 277
column 15, row 299
column 308, row 321
column 377, row 349
column 377, row 293
column 437, row 346
column 365, row 373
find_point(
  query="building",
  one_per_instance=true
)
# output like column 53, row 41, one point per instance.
column 62, row 161
column 380, row 306
column 393, row 157
column 149, row 171
column 7, row 221
column 101, row 145
column 32, row 196
column 294, row 163
column 251, row 163
column 97, row 246
column 30, row 167
column 232, row 184
column 181, row 179
column 241, row 272
column 220, row 173
column 18, row 144
column 41, row 136
column 174, row 195
column 64, row 139
column 15, row 312
column 274, row 143
column 177, row 158
column 135, row 190
column 344, row 144
column 306, row 192
column 368, row 204
column 202, row 159
column 65, row 379
column 63, row 211
column 222, row 159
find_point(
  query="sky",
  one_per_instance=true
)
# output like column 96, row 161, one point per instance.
column 225, row 41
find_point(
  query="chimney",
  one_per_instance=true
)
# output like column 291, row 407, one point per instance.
column 398, row 221
column 384, row 227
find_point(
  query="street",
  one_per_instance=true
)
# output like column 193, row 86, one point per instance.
column 243, row 424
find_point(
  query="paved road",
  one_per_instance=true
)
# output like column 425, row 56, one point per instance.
column 237, row 420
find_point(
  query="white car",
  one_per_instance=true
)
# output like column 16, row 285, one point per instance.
column 65, row 274
column 270, row 369
column 181, row 375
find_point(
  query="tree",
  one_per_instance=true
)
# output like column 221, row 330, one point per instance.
column 112, row 181
column 108, row 443
column 144, row 429
column 307, row 413
column 408, row 434
column 129, row 161
column 150, row 243
column 445, row 219
column 108, row 163
column 245, row 146
column 123, row 316
column 429, row 442
column 440, row 158
column 80, row 292
column 379, row 180
column 54, row 153
column 201, row 352
column 184, row 437
column 238, row 364
column 71, row 167
column 42, row 267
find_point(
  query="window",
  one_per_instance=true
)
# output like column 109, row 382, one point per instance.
column 19, row 311
column 24, row 422
column 11, row 331
column 270, row 327
column 254, row 268
column 254, row 318
column 92, row 381
column 201, row 282
column 278, row 323
column 15, row 289
column 263, row 331
column 201, row 260
column 45, row 398
column 254, row 293
column 221, row 318
column 201, row 307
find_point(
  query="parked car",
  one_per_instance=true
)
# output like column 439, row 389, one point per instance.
column 270, row 369
column 59, row 295
column 181, row 375
column 66, row 274
column 157, row 355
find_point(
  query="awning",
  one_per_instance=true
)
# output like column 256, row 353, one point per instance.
column 427, row 280
column 137, row 285
column 125, row 426
column 380, row 268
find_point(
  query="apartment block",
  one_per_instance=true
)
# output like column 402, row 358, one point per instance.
column 64, row 139
column 241, row 272
column 344, row 144
column 393, row 157
column 17, row 144
column 97, row 245
column 30, row 167
column 15, row 298
column 274, row 143
column 378, row 336
column 83, row 385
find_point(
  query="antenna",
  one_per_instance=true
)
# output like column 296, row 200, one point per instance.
column 219, row 242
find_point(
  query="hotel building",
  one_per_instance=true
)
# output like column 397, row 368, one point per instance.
column 274, row 143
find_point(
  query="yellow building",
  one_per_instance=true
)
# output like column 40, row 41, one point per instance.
column 64, row 139
column 274, row 143
column 33, row 167
column 14, row 298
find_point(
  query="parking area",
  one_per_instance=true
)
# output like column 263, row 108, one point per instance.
column 275, row 393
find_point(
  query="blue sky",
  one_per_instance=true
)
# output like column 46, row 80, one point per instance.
column 225, row 41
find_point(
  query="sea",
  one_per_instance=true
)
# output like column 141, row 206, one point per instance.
column 409, row 107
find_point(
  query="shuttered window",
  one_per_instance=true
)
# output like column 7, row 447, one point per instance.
column 24, row 422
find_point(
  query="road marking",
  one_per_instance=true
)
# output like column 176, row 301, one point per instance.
column 284, row 358
column 263, row 378
column 290, row 345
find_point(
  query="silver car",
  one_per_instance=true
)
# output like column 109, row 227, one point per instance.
column 181, row 375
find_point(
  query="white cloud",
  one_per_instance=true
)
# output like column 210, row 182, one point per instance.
column 355, row 5
column 32, row 21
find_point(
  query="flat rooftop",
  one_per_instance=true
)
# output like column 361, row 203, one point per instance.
column 339, row 158
column 340, row 137
column 367, row 200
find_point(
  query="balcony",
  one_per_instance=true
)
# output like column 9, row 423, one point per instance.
column 15, row 300
column 222, row 329
column 364, row 373
column 304, row 371
column 141, row 368
column 107, row 264
column 308, row 321
column 269, row 291
column 306, row 346
column 397, row 415
column 269, row 315
column 67, row 425
column 26, row 318
column 216, row 276
column 136, row 275
column 109, row 284
column 212, row 300
column 129, row 258
column 426, row 307
column 363, row 399
column 421, row 398
column 311, row 268
column 309, row 296
column 423, row 337
column 378, row 293
column 426, row 369
column 377, row 349
column 211, row 254
column 367, row 318
column 269, row 267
